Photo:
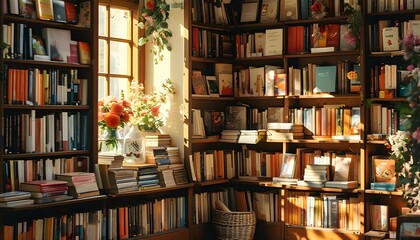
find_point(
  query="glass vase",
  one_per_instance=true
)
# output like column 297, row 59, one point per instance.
column 111, row 142
column 133, row 146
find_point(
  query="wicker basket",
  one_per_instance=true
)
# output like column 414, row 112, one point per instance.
column 234, row 225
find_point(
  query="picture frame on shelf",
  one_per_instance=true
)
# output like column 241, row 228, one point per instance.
column 408, row 227
column 249, row 12
column 288, row 166
column 198, row 83
column 212, row 86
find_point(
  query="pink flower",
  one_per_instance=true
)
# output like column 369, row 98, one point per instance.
column 143, row 113
column 350, row 38
column 416, row 135
column 410, row 67
column 155, row 110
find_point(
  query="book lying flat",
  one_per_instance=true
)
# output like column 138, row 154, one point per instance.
column 14, row 196
column 342, row 184
column 18, row 203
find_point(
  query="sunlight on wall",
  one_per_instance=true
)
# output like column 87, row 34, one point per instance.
column 171, row 67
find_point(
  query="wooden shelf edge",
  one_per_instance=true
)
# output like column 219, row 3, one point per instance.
column 46, row 154
column 383, row 192
column 337, row 230
column 150, row 191
column 174, row 233
column 212, row 182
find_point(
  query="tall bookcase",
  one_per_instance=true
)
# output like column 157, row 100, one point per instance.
column 293, row 200
column 82, row 154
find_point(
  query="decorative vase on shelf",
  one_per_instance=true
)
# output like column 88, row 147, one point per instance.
column 133, row 146
column 111, row 141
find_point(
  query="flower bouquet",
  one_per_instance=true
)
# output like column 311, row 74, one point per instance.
column 113, row 113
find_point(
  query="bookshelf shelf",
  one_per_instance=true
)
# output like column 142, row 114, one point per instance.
column 34, row 22
column 46, row 63
column 47, row 107
column 44, row 206
column 211, row 183
column 146, row 192
column 211, row 60
column 179, row 233
column 325, row 20
column 326, row 55
column 380, row 192
column 45, row 155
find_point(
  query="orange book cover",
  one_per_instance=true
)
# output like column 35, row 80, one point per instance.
column 25, row 86
column 44, row 9
column 347, row 121
column 10, row 86
column 333, row 35
column 71, row 15
column 291, row 39
column 84, row 52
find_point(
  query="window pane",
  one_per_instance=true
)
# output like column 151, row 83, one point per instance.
column 120, row 23
column 103, row 56
column 120, row 58
column 103, row 21
column 101, row 87
column 117, row 85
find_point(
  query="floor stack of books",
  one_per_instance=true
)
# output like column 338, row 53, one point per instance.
column 15, row 199
column 46, row 191
column 80, row 184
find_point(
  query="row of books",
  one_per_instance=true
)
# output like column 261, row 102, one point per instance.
column 385, row 120
column 147, row 218
column 84, row 225
column 51, row 10
column 28, row 132
column 388, row 81
column 211, row 44
column 19, row 171
column 377, row 6
column 46, row 44
column 384, row 35
column 326, row 210
column 45, row 87
column 265, row 204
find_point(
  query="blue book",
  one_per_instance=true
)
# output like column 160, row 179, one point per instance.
column 325, row 79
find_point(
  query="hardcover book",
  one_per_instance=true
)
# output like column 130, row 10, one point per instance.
column 44, row 9
column 59, row 11
column 325, row 79
column 390, row 39
column 71, row 15
column 288, row 10
column 27, row 8
column 269, row 10
column 212, row 86
column 84, row 52
column 84, row 14
column 273, row 42
column 198, row 83
column 57, row 43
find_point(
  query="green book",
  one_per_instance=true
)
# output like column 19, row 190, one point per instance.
column 325, row 79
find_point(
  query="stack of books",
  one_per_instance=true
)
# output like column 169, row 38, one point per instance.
column 230, row 136
column 284, row 131
column 147, row 176
column 160, row 156
column 152, row 141
column 15, row 199
column 122, row 180
column 251, row 136
column 113, row 160
column 80, row 184
column 180, row 175
column 166, row 178
column 173, row 154
column 46, row 191
column 315, row 175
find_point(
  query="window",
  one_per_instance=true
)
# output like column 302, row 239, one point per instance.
column 118, row 53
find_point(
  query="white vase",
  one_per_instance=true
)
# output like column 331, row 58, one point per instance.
column 133, row 146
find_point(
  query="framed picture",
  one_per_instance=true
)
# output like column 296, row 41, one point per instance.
column 288, row 165
column 198, row 83
column 408, row 227
column 384, row 170
column 249, row 12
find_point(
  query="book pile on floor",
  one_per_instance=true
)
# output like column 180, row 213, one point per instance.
column 80, row 184
column 152, row 141
column 122, row 180
column 15, row 199
column 46, row 191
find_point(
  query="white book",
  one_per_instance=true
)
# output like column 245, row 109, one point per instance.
column 256, row 80
column 390, row 39
column 273, row 42
column 259, row 42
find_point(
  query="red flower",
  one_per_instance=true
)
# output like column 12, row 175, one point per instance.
column 117, row 109
column 150, row 5
column 126, row 117
column 112, row 120
column 316, row 6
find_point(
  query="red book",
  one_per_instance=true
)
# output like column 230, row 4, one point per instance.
column 196, row 44
column 71, row 15
column 291, row 39
column 44, row 186
column 333, row 35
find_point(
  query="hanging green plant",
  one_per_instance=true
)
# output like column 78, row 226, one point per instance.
column 154, row 16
